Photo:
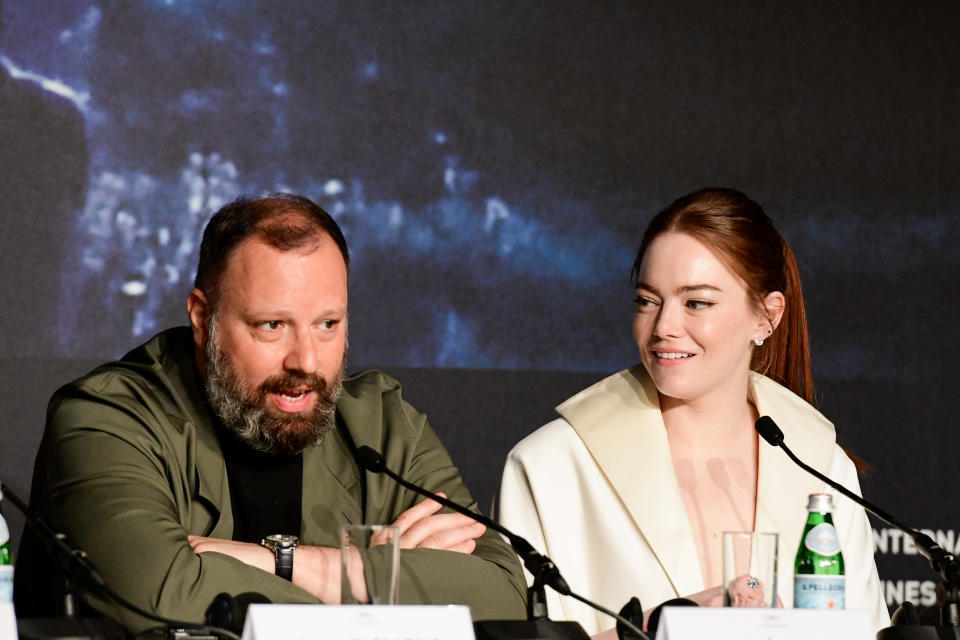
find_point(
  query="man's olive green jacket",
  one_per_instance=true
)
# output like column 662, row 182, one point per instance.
column 130, row 464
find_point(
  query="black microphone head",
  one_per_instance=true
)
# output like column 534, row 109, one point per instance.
column 907, row 614
column 223, row 612
column 370, row 459
column 632, row 611
column 769, row 430
column 230, row 612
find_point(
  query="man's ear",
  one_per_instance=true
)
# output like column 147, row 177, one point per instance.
column 774, row 304
column 198, row 308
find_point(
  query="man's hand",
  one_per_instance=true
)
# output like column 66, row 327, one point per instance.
column 248, row 552
column 421, row 526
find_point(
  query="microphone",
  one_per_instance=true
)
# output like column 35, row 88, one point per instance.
column 230, row 612
column 544, row 572
column 769, row 431
column 372, row 461
column 942, row 562
column 74, row 562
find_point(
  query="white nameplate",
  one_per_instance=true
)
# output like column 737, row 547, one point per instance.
column 730, row 623
column 357, row 622
column 8, row 621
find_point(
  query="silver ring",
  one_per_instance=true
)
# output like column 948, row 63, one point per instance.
column 752, row 582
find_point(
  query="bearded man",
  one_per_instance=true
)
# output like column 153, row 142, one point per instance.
column 172, row 465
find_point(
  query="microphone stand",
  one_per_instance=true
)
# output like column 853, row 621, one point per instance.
column 544, row 572
column 80, row 573
column 943, row 562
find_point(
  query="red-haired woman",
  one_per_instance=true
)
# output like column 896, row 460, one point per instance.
column 630, row 489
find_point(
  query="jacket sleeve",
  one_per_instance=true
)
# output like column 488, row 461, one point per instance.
column 863, row 587
column 111, row 475
column 517, row 510
column 490, row 579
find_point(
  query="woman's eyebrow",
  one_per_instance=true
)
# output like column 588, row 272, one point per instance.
column 684, row 289
column 697, row 287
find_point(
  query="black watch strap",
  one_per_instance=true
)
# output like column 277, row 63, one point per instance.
column 284, row 567
column 283, row 547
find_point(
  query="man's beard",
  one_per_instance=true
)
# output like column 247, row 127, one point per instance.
column 243, row 411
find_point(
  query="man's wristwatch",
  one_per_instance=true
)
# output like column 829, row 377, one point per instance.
column 283, row 547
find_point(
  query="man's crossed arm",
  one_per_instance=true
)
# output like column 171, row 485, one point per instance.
column 317, row 569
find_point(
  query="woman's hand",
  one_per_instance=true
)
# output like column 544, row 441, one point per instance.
column 712, row 597
column 745, row 591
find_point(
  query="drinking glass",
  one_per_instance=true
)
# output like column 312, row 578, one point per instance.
column 370, row 554
column 749, row 569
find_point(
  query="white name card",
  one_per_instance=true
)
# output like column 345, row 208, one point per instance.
column 730, row 623
column 357, row 622
column 8, row 621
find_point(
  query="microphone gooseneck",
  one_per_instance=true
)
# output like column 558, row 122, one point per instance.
column 75, row 563
column 770, row 432
column 943, row 563
column 539, row 565
column 536, row 563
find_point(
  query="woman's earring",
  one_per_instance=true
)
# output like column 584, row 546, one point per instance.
column 758, row 342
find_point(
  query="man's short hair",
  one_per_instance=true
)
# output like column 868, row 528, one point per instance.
column 282, row 220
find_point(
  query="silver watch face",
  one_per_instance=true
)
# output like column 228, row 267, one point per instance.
column 280, row 540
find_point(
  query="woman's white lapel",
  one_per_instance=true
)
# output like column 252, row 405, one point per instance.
column 620, row 423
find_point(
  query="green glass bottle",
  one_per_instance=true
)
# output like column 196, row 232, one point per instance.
column 6, row 561
column 818, row 581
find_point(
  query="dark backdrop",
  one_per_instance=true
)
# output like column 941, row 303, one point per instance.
column 493, row 165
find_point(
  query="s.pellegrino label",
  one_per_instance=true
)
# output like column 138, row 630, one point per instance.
column 818, row 581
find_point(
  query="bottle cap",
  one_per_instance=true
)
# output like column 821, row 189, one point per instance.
column 822, row 502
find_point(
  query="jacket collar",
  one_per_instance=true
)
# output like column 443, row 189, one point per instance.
column 620, row 423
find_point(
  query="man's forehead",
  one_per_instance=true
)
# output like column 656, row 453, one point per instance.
column 266, row 251
column 257, row 268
